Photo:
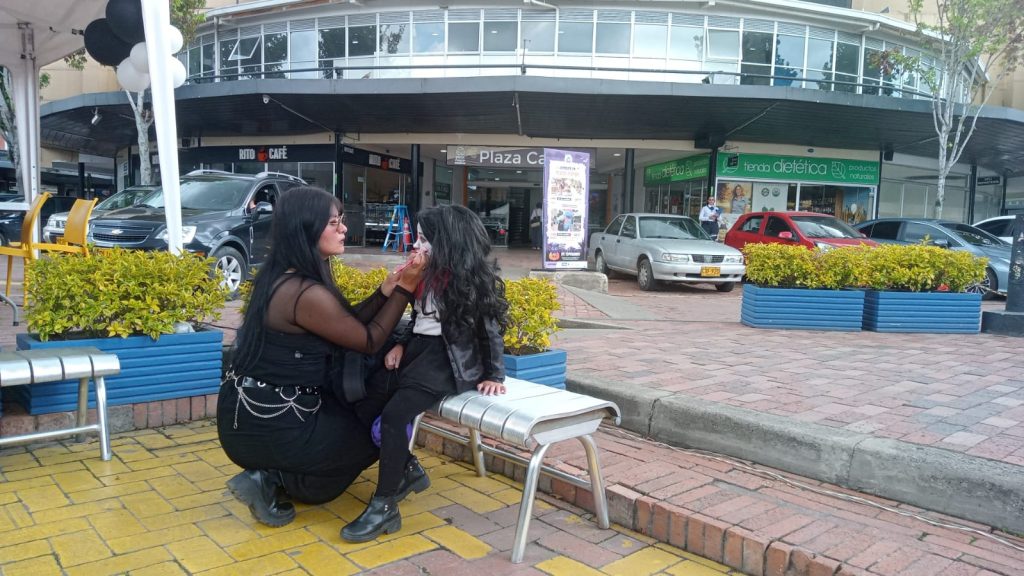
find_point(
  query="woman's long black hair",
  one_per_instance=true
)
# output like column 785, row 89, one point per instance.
column 300, row 217
column 464, row 282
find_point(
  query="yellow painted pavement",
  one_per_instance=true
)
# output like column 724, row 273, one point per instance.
column 161, row 507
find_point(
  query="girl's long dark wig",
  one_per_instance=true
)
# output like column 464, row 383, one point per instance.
column 464, row 282
column 300, row 217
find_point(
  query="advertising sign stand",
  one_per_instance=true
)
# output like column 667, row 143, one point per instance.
column 564, row 220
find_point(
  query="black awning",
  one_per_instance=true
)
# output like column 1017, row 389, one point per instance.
column 542, row 107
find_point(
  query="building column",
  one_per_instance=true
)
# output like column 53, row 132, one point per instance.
column 339, row 170
column 413, row 198
column 628, row 181
column 972, row 193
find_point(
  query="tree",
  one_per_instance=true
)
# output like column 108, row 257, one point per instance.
column 186, row 15
column 975, row 43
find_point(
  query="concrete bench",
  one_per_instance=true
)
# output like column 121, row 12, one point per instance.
column 532, row 417
column 30, row 367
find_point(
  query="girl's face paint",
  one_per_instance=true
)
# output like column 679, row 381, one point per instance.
column 422, row 244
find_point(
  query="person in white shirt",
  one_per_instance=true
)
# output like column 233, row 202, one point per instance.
column 709, row 216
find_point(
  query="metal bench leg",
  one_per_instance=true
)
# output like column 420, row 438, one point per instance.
column 478, row 453
column 83, row 407
column 596, row 480
column 526, row 506
column 101, row 417
column 415, row 431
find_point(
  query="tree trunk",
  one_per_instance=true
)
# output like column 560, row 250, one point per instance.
column 8, row 126
column 143, row 120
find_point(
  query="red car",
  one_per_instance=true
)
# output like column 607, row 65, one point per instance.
column 809, row 229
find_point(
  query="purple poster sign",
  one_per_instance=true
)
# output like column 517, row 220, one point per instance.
column 566, row 190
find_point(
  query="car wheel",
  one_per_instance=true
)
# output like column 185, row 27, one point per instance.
column 645, row 276
column 600, row 264
column 725, row 286
column 230, row 265
column 987, row 287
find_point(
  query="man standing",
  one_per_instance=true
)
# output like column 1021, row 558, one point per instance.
column 709, row 218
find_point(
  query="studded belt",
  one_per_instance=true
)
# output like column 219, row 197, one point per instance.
column 248, row 382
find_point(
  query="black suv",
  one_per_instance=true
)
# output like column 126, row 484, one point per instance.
column 223, row 215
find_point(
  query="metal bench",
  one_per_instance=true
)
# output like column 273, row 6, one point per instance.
column 54, row 365
column 532, row 417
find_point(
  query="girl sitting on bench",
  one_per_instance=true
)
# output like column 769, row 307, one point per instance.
column 453, row 344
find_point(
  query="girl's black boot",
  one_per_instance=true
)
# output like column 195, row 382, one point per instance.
column 414, row 479
column 380, row 517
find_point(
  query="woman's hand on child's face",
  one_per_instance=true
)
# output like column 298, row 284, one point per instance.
column 411, row 272
column 490, row 388
column 394, row 357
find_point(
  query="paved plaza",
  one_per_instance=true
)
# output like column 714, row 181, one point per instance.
column 161, row 504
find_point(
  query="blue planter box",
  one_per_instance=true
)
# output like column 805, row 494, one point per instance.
column 802, row 309
column 954, row 312
column 173, row 366
column 544, row 368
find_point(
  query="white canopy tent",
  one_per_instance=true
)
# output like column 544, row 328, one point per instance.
column 34, row 33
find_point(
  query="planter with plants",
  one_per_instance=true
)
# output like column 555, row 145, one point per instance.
column 532, row 303
column 144, row 306
column 890, row 288
column 793, row 287
column 922, row 289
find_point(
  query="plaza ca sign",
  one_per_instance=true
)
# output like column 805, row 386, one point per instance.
column 263, row 153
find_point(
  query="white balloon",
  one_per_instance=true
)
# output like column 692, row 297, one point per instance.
column 178, row 73
column 130, row 78
column 174, row 39
column 140, row 58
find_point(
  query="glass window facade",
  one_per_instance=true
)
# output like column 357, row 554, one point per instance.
column 747, row 50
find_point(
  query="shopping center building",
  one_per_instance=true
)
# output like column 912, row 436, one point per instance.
column 770, row 104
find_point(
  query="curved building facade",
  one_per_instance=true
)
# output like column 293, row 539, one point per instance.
column 777, row 104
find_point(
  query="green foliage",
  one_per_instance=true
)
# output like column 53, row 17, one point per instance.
column 916, row 268
column 119, row 293
column 921, row 268
column 531, row 321
column 780, row 265
column 186, row 15
column 355, row 284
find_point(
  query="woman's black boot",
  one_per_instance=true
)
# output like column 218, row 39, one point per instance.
column 414, row 479
column 263, row 491
column 380, row 517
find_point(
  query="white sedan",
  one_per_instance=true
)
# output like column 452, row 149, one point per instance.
column 665, row 248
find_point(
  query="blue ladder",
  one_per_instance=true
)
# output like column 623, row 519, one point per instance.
column 396, row 228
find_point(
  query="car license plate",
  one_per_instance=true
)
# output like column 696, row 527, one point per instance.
column 706, row 271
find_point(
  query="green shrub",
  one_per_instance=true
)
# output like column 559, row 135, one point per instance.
column 920, row 268
column 531, row 321
column 916, row 268
column 119, row 293
column 355, row 284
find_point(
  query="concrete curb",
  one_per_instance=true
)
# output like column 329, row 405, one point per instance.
column 970, row 487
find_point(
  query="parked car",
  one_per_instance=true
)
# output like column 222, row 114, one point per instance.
column 223, row 215
column 665, row 248
column 952, row 235
column 56, row 223
column 10, row 220
column 809, row 229
column 1000, row 226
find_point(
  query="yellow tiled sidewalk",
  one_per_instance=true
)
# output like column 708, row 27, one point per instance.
column 160, row 507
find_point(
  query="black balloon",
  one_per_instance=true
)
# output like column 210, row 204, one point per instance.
column 125, row 17
column 103, row 45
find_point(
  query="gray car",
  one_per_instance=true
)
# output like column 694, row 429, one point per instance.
column 952, row 235
column 55, row 224
column 665, row 248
